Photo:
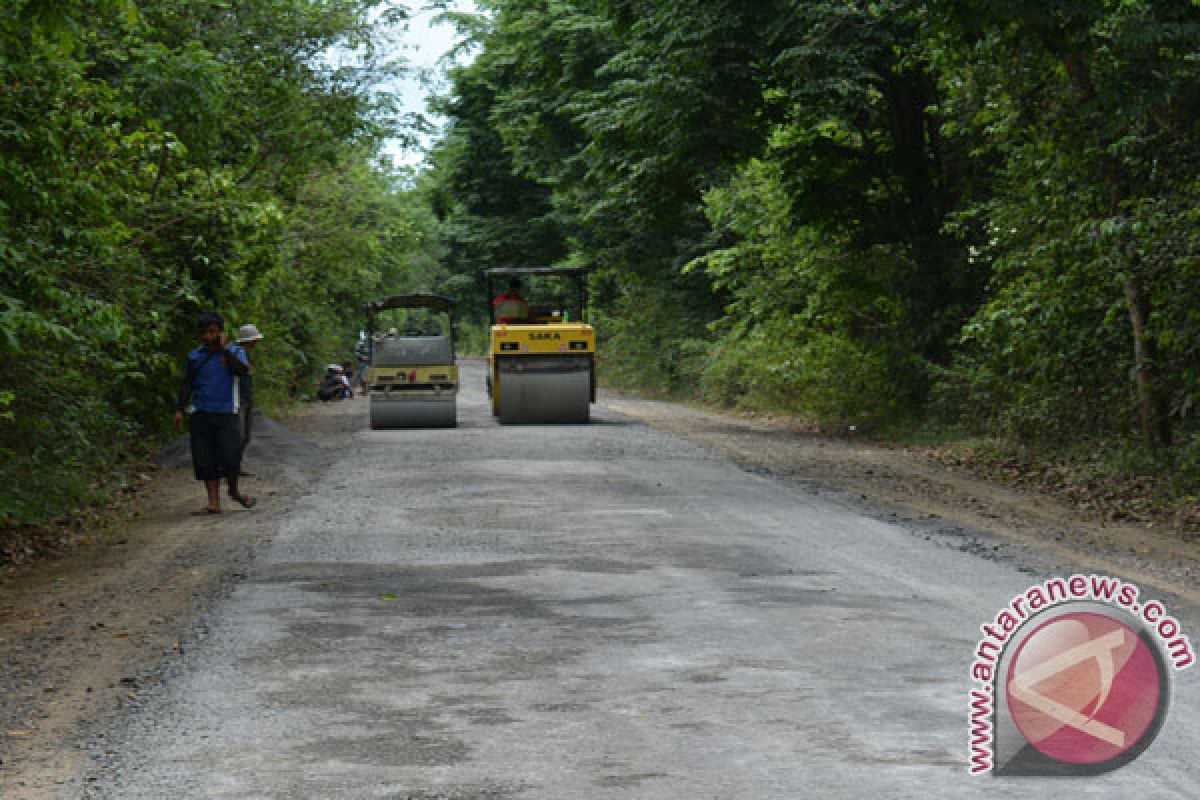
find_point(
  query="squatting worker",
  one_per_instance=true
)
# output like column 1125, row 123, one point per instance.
column 511, row 306
column 210, row 387
column 248, row 338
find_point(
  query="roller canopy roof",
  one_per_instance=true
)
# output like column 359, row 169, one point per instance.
column 516, row 272
column 434, row 301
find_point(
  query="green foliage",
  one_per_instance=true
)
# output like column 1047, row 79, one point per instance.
column 165, row 157
column 646, row 341
column 1090, row 218
column 808, row 326
column 871, row 212
column 638, row 138
column 978, row 211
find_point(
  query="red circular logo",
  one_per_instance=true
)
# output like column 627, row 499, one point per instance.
column 1083, row 688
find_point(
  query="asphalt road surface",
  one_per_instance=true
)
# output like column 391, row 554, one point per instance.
column 599, row 611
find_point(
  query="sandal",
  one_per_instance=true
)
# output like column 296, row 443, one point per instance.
column 245, row 500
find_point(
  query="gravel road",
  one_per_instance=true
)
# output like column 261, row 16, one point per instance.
column 599, row 611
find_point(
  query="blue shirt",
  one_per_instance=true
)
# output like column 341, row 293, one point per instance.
column 213, row 384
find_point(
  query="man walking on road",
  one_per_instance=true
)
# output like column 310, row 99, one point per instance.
column 210, row 388
column 248, row 337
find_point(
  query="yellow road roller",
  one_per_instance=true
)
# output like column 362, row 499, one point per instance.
column 541, row 355
column 412, row 378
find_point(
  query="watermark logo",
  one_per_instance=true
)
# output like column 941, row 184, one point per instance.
column 1072, row 678
column 1085, row 688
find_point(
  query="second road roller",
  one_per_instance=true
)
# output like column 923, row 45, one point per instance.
column 412, row 378
column 541, row 355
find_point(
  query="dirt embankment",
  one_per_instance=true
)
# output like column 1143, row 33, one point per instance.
column 81, row 634
column 914, row 487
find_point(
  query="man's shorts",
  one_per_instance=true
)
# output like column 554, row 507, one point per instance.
column 216, row 445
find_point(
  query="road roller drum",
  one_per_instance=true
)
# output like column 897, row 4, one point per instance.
column 546, row 389
column 413, row 413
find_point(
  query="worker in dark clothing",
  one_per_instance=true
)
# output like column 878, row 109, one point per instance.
column 210, row 390
column 248, row 339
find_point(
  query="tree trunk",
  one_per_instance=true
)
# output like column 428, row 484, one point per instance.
column 1156, row 423
column 1156, row 426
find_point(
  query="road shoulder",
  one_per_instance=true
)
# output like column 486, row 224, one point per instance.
column 82, row 635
